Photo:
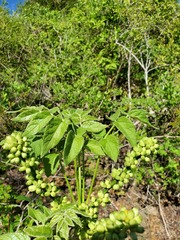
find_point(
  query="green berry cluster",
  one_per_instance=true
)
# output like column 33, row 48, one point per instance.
column 18, row 147
column 36, row 180
column 118, row 226
column 146, row 147
column 20, row 154
column 55, row 205
column 40, row 186
column 122, row 176
column 92, row 208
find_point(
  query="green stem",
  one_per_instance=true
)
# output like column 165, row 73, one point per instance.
column 80, row 189
column 69, row 188
column 67, row 182
column 93, row 180
column 109, row 131
column 77, row 178
column 83, row 176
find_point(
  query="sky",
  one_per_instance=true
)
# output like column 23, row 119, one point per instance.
column 12, row 4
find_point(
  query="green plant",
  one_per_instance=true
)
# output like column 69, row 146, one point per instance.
column 69, row 134
column 10, row 208
column 118, row 226
column 54, row 138
column 146, row 149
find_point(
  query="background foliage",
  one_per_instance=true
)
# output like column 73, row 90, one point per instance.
column 99, row 55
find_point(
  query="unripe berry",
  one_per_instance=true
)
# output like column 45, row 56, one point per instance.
column 29, row 182
column 10, row 156
column 141, row 143
column 16, row 160
column 47, row 194
column 156, row 146
column 116, row 187
column 18, row 153
column 22, row 169
column 19, row 147
column 96, row 204
column 24, row 139
column 102, row 184
column 121, row 184
column 32, row 188
column 28, row 170
column 38, row 190
column 147, row 159
column 13, row 150
column 53, row 194
column 148, row 152
column 126, row 180
column 24, row 155
column 43, row 185
column 100, row 228
column 93, row 199
column 25, row 149
column 100, row 194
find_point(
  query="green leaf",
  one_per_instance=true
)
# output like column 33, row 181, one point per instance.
column 40, row 238
column 63, row 228
column 80, row 116
column 26, row 115
column 51, row 163
column 93, row 126
column 37, row 215
column 115, row 115
column 23, row 198
column 139, row 114
column 66, row 217
column 73, row 146
column 110, row 146
column 56, row 237
column 67, row 145
column 37, row 147
column 95, row 147
column 38, row 123
column 14, row 236
column 127, row 128
column 54, row 132
column 39, row 231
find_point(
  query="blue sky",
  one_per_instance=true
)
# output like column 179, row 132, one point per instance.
column 12, row 4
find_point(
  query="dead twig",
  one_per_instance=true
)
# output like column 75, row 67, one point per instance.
column 163, row 217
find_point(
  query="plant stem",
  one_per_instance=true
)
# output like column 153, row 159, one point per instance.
column 80, row 185
column 67, row 182
column 69, row 188
column 93, row 180
column 83, row 176
column 77, row 178
column 109, row 131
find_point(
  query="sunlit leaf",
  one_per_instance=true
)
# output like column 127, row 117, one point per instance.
column 54, row 133
column 73, row 148
column 139, row 114
column 127, row 128
column 14, row 236
column 51, row 163
column 39, row 231
column 95, row 147
column 93, row 126
column 38, row 123
column 110, row 145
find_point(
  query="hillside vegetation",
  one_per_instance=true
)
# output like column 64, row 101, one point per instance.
column 89, row 115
